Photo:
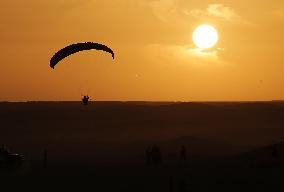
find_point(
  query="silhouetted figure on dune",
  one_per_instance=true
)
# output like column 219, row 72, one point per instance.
column 148, row 156
column 183, row 153
column 156, row 155
column 153, row 155
column 3, row 154
column 182, row 185
column 275, row 152
column 171, row 184
column 85, row 100
column 45, row 158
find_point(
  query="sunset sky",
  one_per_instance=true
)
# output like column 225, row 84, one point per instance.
column 156, row 59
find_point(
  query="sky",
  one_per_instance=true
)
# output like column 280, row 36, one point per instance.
column 156, row 59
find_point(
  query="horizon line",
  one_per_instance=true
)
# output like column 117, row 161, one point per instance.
column 144, row 101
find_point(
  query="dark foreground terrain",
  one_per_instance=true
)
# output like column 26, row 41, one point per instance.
column 102, row 146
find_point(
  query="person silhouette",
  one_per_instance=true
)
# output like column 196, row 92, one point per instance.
column 182, row 185
column 85, row 100
column 171, row 184
column 275, row 153
column 159, row 156
column 156, row 155
column 183, row 153
column 44, row 158
column 148, row 156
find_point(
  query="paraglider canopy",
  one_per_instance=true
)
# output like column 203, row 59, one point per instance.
column 74, row 48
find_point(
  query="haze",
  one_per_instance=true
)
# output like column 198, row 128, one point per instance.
column 155, row 56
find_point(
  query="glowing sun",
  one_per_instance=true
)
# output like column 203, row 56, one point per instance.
column 205, row 36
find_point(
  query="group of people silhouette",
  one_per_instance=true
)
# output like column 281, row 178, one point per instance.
column 154, row 156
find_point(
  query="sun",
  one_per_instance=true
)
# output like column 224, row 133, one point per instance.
column 205, row 36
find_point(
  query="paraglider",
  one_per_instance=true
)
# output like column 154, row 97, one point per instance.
column 74, row 48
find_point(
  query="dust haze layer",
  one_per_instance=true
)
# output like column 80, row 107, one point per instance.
column 32, row 126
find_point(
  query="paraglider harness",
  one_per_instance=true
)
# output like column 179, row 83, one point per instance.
column 85, row 100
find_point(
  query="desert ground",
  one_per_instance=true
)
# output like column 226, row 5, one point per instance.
column 230, row 146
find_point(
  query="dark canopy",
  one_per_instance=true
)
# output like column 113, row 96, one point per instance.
column 74, row 48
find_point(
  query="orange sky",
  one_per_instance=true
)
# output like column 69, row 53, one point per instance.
column 155, row 57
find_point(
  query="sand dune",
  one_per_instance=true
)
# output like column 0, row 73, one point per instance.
column 108, row 141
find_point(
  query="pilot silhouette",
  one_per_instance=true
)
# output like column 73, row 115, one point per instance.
column 85, row 100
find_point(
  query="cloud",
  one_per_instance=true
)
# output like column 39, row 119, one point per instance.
column 222, row 11
column 182, row 54
column 216, row 10
column 165, row 10
column 177, row 12
column 278, row 13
